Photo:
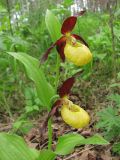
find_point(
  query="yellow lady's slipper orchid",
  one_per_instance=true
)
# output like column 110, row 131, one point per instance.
column 77, row 53
column 68, row 46
column 74, row 115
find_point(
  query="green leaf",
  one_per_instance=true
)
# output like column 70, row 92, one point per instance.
column 109, row 121
column 2, row 44
column 53, row 25
column 4, row 63
column 67, row 142
column 13, row 147
column 67, row 3
column 18, row 41
column 44, row 89
column 100, row 56
column 96, row 139
column 22, row 126
column 108, row 118
column 115, row 98
column 115, row 85
column 116, row 148
column 46, row 155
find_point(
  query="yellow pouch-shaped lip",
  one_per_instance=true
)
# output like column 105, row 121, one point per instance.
column 75, row 116
column 78, row 54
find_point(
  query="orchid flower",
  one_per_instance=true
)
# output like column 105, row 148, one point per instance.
column 68, row 46
column 72, row 114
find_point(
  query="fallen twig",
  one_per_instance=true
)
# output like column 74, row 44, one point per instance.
column 76, row 154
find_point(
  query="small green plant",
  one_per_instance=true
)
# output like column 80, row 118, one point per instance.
column 32, row 102
column 109, row 120
column 22, row 125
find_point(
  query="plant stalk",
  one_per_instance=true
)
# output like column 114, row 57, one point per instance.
column 6, row 106
column 50, row 132
column 9, row 15
column 57, row 72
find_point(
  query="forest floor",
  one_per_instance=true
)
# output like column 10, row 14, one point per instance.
column 92, row 96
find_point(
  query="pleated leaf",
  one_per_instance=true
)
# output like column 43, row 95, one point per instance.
column 53, row 25
column 13, row 147
column 46, row 155
column 95, row 140
column 44, row 89
column 67, row 142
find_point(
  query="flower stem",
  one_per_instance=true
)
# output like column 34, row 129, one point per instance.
column 50, row 134
column 57, row 72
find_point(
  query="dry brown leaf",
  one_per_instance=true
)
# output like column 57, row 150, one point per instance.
column 88, row 155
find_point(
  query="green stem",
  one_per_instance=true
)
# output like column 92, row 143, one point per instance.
column 15, row 69
column 6, row 106
column 78, row 26
column 50, row 134
column 57, row 72
column 50, row 120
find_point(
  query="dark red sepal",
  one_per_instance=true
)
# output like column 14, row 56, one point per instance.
column 80, row 39
column 60, row 47
column 45, row 55
column 68, row 24
column 66, row 87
